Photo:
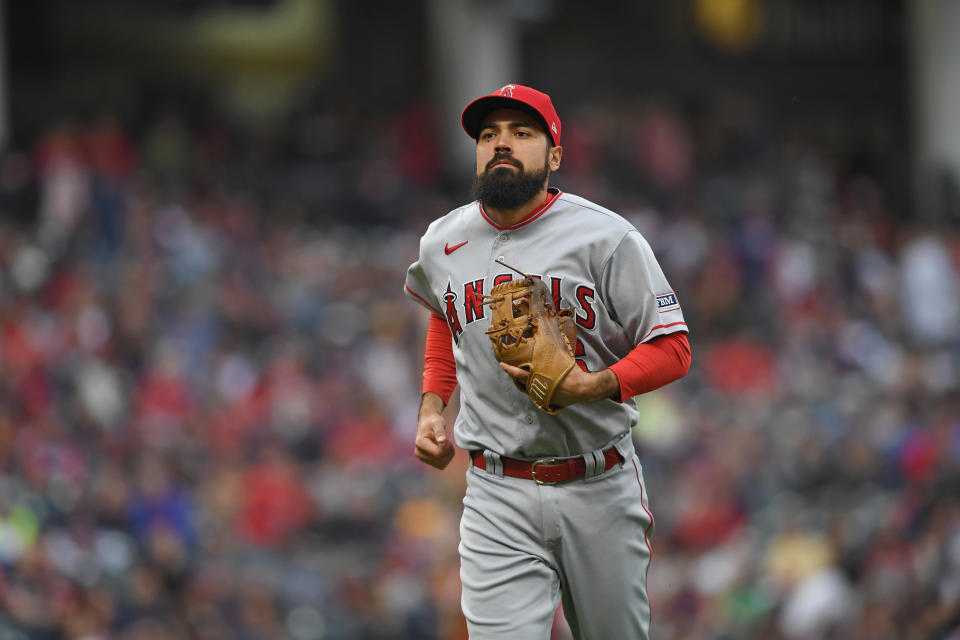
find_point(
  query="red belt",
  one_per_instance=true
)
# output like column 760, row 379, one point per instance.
column 548, row 470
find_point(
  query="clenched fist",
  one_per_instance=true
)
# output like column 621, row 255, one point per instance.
column 432, row 445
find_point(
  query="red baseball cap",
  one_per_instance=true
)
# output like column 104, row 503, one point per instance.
column 513, row 96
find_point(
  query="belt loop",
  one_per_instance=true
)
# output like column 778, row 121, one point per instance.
column 591, row 464
column 494, row 464
column 601, row 460
column 595, row 463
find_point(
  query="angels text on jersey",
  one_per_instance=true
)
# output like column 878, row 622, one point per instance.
column 469, row 306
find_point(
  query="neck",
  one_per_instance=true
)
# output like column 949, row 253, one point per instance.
column 510, row 217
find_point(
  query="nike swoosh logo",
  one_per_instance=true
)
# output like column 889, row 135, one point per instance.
column 447, row 249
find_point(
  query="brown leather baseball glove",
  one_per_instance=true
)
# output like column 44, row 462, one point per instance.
column 527, row 332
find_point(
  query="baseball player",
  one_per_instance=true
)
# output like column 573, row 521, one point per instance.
column 555, row 504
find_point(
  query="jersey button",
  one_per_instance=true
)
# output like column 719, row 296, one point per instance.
column 529, row 419
column 503, row 236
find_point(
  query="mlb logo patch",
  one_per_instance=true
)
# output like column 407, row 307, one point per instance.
column 667, row 302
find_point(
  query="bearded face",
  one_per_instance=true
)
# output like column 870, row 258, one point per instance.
column 506, row 184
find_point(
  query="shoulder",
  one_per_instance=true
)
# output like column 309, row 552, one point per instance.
column 594, row 225
column 597, row 214
column 594, row 222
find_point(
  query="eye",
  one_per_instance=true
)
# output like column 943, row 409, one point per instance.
column 486, row 135
column 523, row 134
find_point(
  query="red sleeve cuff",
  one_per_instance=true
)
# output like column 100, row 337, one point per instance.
column 653, row 364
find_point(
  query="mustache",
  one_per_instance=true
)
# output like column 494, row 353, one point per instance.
column 503, row 158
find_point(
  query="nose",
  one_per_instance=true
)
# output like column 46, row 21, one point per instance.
column 501, row 143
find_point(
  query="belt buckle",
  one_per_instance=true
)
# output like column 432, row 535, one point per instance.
column 533, row 470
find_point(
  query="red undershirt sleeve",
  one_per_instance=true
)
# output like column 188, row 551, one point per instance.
column 653, row 364
column 439, row 367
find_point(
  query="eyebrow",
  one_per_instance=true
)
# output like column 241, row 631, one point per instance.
column 514, row 124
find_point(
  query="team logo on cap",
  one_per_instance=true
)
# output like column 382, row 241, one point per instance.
column 553, row 127
column 507, row 90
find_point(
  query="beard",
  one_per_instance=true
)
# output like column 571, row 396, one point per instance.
column 504, row 189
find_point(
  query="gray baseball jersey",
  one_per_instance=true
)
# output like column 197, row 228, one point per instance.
column 592, row 260
column 524, row 546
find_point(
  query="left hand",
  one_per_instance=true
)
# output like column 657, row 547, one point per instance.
column 577, row 386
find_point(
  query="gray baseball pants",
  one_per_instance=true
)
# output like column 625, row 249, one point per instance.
column 523, row 546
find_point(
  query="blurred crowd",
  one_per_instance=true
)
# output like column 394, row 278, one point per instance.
column 210, row 379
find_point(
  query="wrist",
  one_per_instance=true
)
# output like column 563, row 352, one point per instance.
column 605, row 385
column 430, row 404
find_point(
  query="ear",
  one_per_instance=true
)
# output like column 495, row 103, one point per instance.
column 554, row 156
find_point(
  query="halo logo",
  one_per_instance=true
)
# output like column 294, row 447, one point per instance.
column 453, row 320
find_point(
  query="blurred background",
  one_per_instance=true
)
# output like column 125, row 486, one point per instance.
column 209, row 377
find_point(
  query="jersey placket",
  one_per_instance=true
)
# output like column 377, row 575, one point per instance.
column 499, row 250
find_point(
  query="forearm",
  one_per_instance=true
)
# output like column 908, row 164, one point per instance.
column 431, row 404
column 652, row 365
column 599, row 385
column 439, row 366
